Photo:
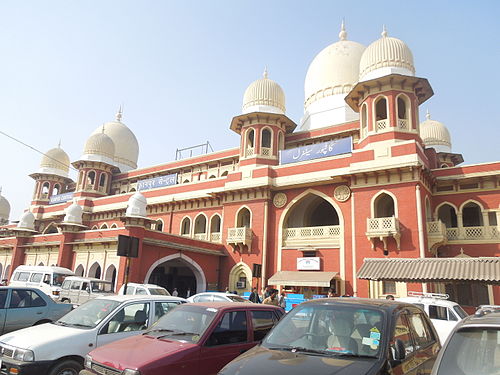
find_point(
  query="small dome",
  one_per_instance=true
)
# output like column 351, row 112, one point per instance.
column 73, row 214
column 137, row 205
column 386, row 56
column 264, row 95
column 55, row 161
column 4, row 209
column 435, row 134
column 335, row 70
column 27, row 221
column 126, row 145
column 99, row 147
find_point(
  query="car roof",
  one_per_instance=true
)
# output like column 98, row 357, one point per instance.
column 135, row 297
column 21, row 287
column 491, row 319
column 428, row 301
column 144, row 285
column 83, row 278
column 215, row 293
column 55, row 269
column 382, row 304
column 232, row 306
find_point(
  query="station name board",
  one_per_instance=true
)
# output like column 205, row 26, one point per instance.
column 61, row 198
column 316, row 151
column 157, row 182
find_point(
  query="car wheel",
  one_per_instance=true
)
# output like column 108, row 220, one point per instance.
column 67, row 367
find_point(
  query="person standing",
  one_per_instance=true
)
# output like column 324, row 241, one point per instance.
column 188, row 293
column 272, row 299
column 254, row 296
column 175, row 293
column 282, row 301
column 268, row 291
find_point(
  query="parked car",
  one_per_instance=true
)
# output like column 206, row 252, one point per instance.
column 197, row 338
column 25, row 307
column 444, row 314
column 344, row 336
column 151, row 289
column 78, row 289
column 59, row 348
column 217, row 297
column 47, row 278
column 473, row 346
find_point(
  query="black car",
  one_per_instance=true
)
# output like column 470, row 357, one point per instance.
column 344, row 336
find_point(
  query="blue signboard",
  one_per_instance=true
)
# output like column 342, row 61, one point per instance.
column 61, row 198
column 316, row 151
column 153, row 183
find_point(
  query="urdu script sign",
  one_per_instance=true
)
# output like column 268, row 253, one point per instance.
column 316, row 151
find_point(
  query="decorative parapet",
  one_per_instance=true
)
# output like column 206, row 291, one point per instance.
column 324, row 235
column 239, row 238
column 383, row 228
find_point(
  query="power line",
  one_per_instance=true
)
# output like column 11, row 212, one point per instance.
column 36, row 150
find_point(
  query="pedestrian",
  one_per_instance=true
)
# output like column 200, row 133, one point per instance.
column 254, row 296
column 188, row 293
column 272, row 299
column 282, row 301
column 268, row 291
column 331, row 293
column 389, row 297
column 227, row 290
column 175, row 293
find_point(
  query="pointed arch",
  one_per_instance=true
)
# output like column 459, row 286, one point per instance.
column 240, row 272
column 200, row 223
column 381, row 205
column 472, row 213
column 159, row 225
column 381, row 113
column 114, row 226
column 447, row 213
column 243, row 217
column 95, row 270
column 110, row 274
column 51, row 229
column 79, row 271
column 104, row 226
column 56, row 189
column 91, row 178
column 185, row 229
column 94, row 227
column 225, row 173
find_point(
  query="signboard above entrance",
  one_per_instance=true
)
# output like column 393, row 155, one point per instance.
column 316, row 151
column 61, row 198
column 153, row 183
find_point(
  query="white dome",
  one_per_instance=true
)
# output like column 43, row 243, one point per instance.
column 56, row 162
column 435, row 134
column 73, row 214
column 264, row 95
column 137, row 204
column 386, row 56
column 4, row 209
column 27, row 221
column 126, row 145
column 99, row 147
column 335, row 70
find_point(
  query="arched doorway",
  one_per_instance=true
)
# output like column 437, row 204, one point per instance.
column 177, row 271
column 79, row 270
column 110, row 275
column 240, row 278
column 95, row 271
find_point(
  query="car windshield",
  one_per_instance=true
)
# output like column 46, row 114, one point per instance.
column 184, row 323
column 89, row 314
column 58, row 278
column 460, row 312
column 330, row 329
column 236, row 298
column 158, row 292
column 101, row 287
column 472, row 350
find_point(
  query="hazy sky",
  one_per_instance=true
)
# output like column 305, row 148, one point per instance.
column 180, row 68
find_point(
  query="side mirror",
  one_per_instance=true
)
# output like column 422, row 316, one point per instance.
column 399, row 350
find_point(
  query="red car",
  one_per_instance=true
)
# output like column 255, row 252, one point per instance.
column 191, row 339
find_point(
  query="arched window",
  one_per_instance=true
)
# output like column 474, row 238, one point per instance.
column 250, row 138
column 110, row 274
column 56, row 190
column 212, row 176
column 312, row 211
column 50, row 229
column 472, row 215
column 200, row 224
column 403, row 107
column 186, row 226
column 244, row 218
column 447, row 215
column 185, row 181
column 364, row 121
column 114, row 226
column 91, row 179
column 384, row 206
column 104, row 226
column 45, row 190
column 94, row 227
column 225, row 173
column 215, row 224
column 102, row 180
column 381, row 114
column 266, row 138
column 159, row 225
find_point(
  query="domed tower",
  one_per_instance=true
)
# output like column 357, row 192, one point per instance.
column 263, row 123
column 4, row 209
column 126, row 145
column 388, row 94
column 96, row 166
column 52, row 176
column 330, row 77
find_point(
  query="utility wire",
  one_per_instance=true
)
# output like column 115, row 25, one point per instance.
column 36, row 150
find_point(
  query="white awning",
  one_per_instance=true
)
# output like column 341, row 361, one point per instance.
column 302, row 278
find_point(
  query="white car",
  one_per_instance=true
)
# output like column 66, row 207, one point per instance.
column 59, row 348
column 151, row 289
column 444, row 314
column 216, row 297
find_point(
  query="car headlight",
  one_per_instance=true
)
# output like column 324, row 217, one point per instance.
column 24, row 355
column 88, row 361
column 131, row 372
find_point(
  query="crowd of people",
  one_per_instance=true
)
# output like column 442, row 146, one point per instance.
column 270, row 297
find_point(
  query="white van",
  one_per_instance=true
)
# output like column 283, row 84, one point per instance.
column 49, row 279
column 79, row 289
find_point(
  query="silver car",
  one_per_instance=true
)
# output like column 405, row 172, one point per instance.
column 24, row 307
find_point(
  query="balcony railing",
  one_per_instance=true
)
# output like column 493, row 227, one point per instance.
column 266, row 151
column 382, row 124
column 383, row 228
column 403, row 124
column 250, row 151
column 484, row 233
column 436, row 234
column 324, row 235
column 200, row 236
column 216, row 237
column 240, row 237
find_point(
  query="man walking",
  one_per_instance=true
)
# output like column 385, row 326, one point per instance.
column 272, row 299
column 254, row 296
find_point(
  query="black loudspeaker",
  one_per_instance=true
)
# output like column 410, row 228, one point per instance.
column 127, row 246
column 257, row 270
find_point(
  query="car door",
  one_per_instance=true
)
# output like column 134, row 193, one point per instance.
column 74, row 291
column 229, row 337
column 426, row 344
column 26, row 307
column 125, row 322
column 402, row 337
column 441, row 319
column 262, row 322
column 3, row 308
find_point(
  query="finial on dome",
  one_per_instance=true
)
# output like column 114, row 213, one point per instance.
column 343, row 33
column 427, row 115
column 384, row 31
column 0, row 190
column 103, row 126
column 59, row 144
column 265, row 72
column 119, row 114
